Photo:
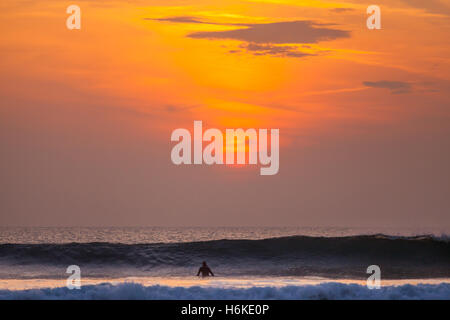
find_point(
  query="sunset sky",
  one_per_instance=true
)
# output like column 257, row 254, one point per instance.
column 86, row 115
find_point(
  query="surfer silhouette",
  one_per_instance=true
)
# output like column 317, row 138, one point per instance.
column 204, row 270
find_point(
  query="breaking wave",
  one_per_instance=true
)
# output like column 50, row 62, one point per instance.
column 399, row 257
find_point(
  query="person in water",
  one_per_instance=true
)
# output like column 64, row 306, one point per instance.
column 204, row 270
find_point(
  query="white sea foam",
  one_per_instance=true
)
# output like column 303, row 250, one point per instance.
column 320, row 291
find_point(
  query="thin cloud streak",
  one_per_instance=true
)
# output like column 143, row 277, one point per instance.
column 396, row 87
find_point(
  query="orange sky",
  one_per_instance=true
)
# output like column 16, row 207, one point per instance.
column 139, row 69
column 155, row 66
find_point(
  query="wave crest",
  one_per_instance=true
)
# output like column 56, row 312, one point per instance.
column 399, row 257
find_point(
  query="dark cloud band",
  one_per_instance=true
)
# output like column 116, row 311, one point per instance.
column 295, row 32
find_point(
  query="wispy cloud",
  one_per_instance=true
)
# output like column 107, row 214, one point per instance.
column 396, row 87
column 188, row 19
column 272, row 50
column 432, row 6
column 172, row 108
column 342, row 10
column 278, row 33
column 277, row 39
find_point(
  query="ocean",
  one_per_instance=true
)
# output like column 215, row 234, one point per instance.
column 249, row 262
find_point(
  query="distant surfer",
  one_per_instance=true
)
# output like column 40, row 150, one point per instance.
column 204, row 270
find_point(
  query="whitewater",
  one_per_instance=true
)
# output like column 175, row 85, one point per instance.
column 252, row 263
column 325, row 291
